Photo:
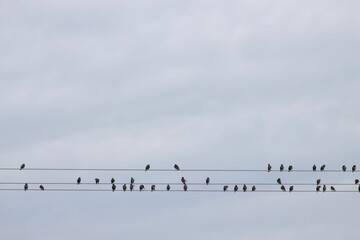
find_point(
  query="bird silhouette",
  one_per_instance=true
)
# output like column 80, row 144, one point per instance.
column 79, row 180
column 322, row 168
column 353, row 168
column 147, row 167
column 278, row 181
column 318, row 188
column 269, row 167
column 176, row 167
column 113, row 187
column 152, row 187
column 97, row 181
column 142, row 187
column 132, row 180
column 183, row 180
column 283, row 188
column 124, row 187
column 290, row 168
column 253, row 188
column 185, row 187
column 112, row 180
column 344, row 168
column 332, row 188
column 359, row 188
column 42, row 187
column 168, row 187
column 22, row 166
column 291, row 188
column 236, row 188
column 318, row 181
column 324, row 188
column 356, row 181
column 207, row 181
column 314, row 167
column 225, row 188
column 131, row 187
column 244, row 188
column 281, row 168
column 26, row 187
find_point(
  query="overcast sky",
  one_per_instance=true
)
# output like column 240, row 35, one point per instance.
column 204, row 84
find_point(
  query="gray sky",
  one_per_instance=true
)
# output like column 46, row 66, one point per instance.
column 215, row 84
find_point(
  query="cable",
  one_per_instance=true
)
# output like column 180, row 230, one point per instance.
column 207, row 191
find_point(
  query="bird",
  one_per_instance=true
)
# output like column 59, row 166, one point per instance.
column 322, row 168
column 253, row 188
column 79, row 180
column 113, row 187
column 131, row 187
column 168, row 187
column 153, row 187
column 269, row 167
column 281, row 168
column 183, row 180
column 97, row 181
column 291, row 188
column 318, row 188
column 324, row 188
column 236, row 188
column 278, row 181
column 356, row 181
column 332, row 188
column 185, row 187
column 147, row 167
column 142, row 187
column 359, row 188
column 344, row 168
column 353, row 168
column 314, row 167
column 132, row 180
column 176, row 167
column 26, row 187
column 290, row 168
column 244, row 188
column 283, row 188
column 22, row 166
column 207, row 181
column 225, row 188
column 318, row 181
column 42, row 187
column 112, row 181
column 124, row 187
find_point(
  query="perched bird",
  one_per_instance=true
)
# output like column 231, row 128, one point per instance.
column 142, row 187
column 314, row 167
column 359, row 188
column 183, row 180
column 132, row 180
column 185, row 187
column 147, row 167
column 97, row 181
column 318, row 181
column 42, row 187
column 283, row 188
column 112, row 181
column 22, row 166
column 291, row 188
column 332, row 188
column 153, row 187
column 168, row 187
column 318, row 188
column 353, row 168
column 124, row 187
column 253, row 188
column 322, row 168
column 269, row 167
column 244, row 188
column 131, row 187
column 356, row 181
column 79, row 180
column 207, row 181
column 281, row 168
column 324, row 188
column 113, row 187
column 236, row 188
column 344, row 168
column 225, row 188
column 26, row 187
column 278, row 181
column 290, row 168
column 176, row 167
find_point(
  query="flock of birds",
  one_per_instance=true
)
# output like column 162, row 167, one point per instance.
column 319, row 187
